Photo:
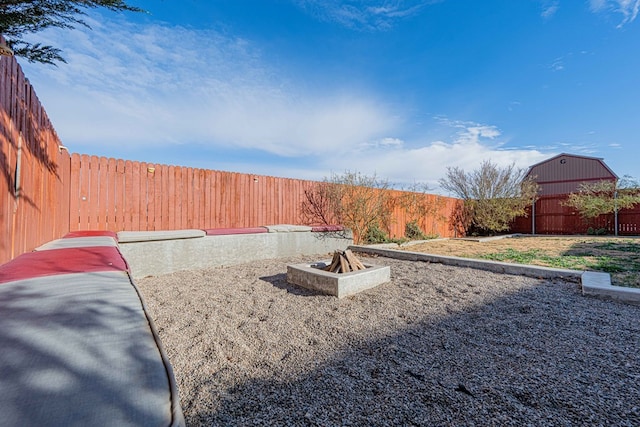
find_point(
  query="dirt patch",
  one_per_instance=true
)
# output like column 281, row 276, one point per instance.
column 618, row 256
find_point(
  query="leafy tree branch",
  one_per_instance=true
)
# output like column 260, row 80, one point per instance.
column 604, row 197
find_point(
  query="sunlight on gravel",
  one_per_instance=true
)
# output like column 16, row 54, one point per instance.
column 438, row 345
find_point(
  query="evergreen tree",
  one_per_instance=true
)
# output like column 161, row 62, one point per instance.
column 21, row 17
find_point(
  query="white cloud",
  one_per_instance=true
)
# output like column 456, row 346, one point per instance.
column 382, row 143
column 364, row 14
column 150, row 87
column 586, row 149
column 153, row 85
column 628, row 8
column 427, row 162
column 557, row 65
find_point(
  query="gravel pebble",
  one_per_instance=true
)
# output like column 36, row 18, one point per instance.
column 436, row 346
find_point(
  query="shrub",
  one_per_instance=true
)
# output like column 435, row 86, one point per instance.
column 412, row 231
column 493, row 196
column 354, row 200
column 597, row 232
column 375, row 234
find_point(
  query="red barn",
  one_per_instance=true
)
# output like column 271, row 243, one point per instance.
column 564, row 173
column 559, row 176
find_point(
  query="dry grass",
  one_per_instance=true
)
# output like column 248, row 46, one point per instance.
column 618, row 256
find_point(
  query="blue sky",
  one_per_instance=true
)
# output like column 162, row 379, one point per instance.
column 306, row 88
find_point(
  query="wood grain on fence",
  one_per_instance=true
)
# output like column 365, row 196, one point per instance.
column 45, row 192
column 34, row 171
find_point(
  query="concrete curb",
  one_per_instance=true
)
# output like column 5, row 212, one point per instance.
column 489, row 239
column 599, row 285
column 593, row 283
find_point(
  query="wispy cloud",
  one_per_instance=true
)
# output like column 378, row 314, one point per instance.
column 158, row 87
column 364, row 14
column 140, row 85
column 627, row 8
column 587, row 149
column 427, row 161
column 549, row 8
column 557, row 65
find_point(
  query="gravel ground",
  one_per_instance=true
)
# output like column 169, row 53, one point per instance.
column 436, row 346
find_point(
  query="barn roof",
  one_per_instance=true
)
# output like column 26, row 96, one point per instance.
column 564, row 173
column 598, row 159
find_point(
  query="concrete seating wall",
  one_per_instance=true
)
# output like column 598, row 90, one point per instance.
column 150, row 253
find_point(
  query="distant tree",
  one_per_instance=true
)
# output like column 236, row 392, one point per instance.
column 20, row 17
column 359, row 202
column 492, row 196
column 604, row 197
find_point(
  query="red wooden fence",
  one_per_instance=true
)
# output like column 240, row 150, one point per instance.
column 552, row 217
column 34, row 173
column 45, row 192
column 110, row 194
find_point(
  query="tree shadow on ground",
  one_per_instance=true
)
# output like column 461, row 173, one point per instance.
column 77, row 353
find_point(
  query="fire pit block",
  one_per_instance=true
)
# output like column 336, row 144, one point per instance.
column 311, row 276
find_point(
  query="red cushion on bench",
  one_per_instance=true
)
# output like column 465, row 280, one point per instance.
column 63, row 261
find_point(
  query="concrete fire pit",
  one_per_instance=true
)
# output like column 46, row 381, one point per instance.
column 311, row 276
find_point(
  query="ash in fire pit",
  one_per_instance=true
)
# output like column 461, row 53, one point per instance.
column 344, row 275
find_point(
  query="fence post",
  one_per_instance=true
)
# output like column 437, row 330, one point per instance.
column 533, row 217
column 615, row 212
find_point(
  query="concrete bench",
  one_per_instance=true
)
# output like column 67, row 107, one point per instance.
column 150, row 236
column 78, row 347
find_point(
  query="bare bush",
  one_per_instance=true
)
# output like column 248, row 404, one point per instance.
column 493, row 196
column 352, row 199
